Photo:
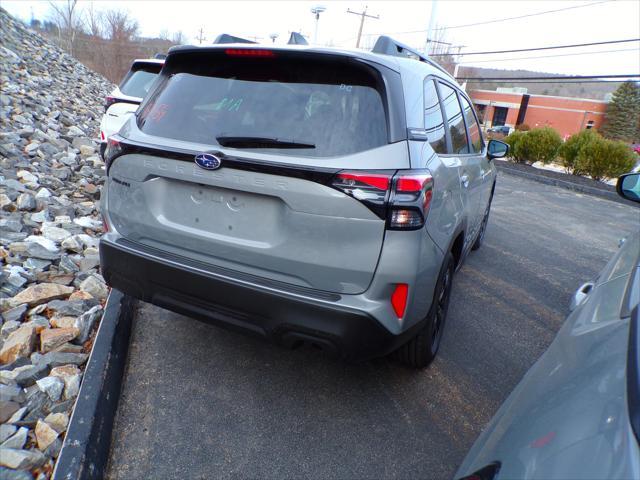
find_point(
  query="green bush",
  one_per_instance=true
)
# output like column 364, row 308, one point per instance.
column 538, row 145
column 573, row 146
column 513, row 139
column 603, row 158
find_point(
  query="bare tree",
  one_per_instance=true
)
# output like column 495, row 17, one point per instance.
column 179, row 38
column 94, row 21
column 67, row 19
column 121, row 31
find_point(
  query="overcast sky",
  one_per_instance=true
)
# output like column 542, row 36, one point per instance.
column 592, row 21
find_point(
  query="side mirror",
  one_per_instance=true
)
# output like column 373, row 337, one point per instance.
column 628, row 186
column 497, row 149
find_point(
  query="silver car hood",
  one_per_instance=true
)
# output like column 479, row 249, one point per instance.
column 568, row 417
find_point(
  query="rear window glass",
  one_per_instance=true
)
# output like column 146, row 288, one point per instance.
column 138, row 83
column 323, row 107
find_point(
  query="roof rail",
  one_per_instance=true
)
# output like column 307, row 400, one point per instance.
column 226, row 38
column 297, row 39
column 388, row 46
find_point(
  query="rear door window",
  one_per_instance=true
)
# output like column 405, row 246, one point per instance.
column 477, row 144
column 455, row 118
column 433, row 120
column 319, row 107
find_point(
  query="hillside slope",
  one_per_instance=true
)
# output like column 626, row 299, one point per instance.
column 51, row 292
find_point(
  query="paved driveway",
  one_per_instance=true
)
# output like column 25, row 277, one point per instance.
column 200, row 402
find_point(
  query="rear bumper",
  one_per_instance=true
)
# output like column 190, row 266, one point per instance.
column 283, row 317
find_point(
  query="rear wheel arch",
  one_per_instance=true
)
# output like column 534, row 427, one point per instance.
column 457, row 246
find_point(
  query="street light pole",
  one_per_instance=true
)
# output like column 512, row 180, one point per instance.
column 317, row 10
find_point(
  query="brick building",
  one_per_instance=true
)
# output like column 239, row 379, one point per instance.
column 514, row 106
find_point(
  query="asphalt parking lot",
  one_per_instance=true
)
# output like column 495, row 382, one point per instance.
column 200, row 402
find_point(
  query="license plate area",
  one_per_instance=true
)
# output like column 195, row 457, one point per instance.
column 222, row 211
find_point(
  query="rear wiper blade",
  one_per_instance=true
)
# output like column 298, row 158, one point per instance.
column 260, row 142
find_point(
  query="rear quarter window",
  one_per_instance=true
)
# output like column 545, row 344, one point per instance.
column 336, row 107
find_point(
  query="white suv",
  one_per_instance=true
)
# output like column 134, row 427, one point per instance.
column 126, row 97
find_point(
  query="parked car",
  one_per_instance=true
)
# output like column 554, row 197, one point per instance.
column 503, row 129
column 576, row 413
column 126, row 97
column 303, row 194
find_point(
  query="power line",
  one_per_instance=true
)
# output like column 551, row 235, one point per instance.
column 560, row 77
column 479, row 80
column 523, row 16
column 551, row 56
column 554, row 47
column 495, row 20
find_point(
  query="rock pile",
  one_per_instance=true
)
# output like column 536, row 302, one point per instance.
column 51, row 292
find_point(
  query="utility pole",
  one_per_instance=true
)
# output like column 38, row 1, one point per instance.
column 432, row 22
column 362, row 17
column 201, row 38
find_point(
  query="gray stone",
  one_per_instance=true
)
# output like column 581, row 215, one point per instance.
column 85, row 322
column 52, row 386
column 10, row 474
column 26, row 201
column 14, row 314
column 17, row 440
column 21, row 459
column 95, row 286
column 6, row 431
column 58, row 359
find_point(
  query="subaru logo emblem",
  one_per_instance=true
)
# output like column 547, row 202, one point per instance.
column 207, row 161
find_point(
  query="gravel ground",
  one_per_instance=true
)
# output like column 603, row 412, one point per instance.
column 201, row 402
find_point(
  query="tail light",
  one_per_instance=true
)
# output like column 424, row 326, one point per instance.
column 109, row 101
column 112, row 151
column 403, row 198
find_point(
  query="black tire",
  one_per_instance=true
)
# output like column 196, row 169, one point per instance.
column 483, row 228
column 422, row 349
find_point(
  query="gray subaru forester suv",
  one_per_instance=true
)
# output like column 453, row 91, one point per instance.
column 302, row 194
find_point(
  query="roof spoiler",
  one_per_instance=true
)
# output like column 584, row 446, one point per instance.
column 226, row 38
column 388, row 46
column 297, row 39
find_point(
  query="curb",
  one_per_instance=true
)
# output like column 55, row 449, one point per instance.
column 556, row 182
column 85, row 450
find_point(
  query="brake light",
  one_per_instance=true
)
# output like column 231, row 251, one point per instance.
column 399, row 299
column 109, row 101
column 101, row 135
column 354, row 180
column 403, row 199
column 249, row 52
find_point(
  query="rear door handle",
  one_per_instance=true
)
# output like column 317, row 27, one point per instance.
column 464, row 179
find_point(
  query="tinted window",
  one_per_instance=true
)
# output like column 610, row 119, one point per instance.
column 477, row 143
column 138, row 83
column 433, row 122
column 335, row 107
column 454, row 116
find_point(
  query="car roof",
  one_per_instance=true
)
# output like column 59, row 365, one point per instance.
column 393, row 62
column 147, row 61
